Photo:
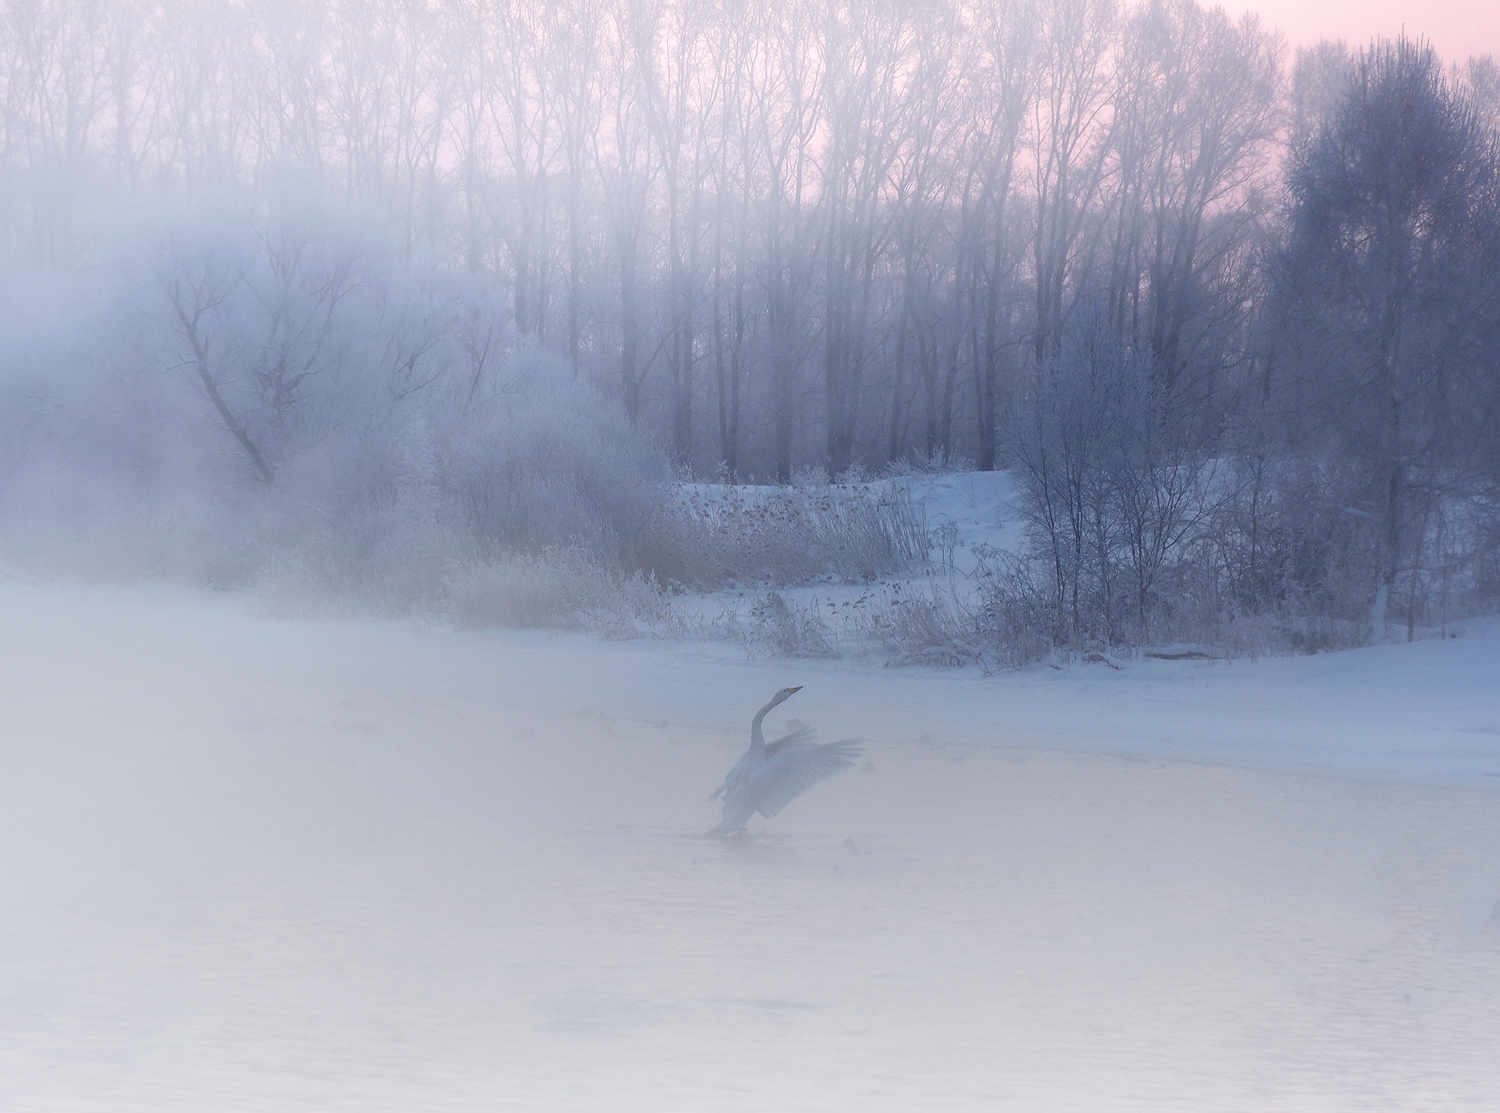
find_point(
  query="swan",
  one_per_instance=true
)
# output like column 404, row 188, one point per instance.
column 770, row 776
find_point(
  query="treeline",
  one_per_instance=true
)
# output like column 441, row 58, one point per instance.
column 780, row 234
column 787, row 236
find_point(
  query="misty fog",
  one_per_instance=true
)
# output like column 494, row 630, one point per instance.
column 429, row 431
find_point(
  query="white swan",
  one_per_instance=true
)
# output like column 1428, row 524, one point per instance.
column 769, row 777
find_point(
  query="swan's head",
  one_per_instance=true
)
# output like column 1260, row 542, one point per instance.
column 784, row 695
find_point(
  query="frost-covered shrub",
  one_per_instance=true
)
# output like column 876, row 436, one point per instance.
column 1014, row 610
column 548, row 461
column 1290, row 540
column 1137, row 537
column 935, row 627
column 785, row 629
column 557, row 587
column 937, row 462
column 710, row 536
column 1114, row 495
column 539, row 467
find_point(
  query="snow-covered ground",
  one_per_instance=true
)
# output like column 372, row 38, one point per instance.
column 249, row 864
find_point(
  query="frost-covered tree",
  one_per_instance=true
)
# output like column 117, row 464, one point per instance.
column 1389, row 297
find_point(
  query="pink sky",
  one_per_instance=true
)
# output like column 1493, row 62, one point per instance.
column 1457, row 28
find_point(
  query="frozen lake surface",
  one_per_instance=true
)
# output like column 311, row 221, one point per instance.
column 257, row 865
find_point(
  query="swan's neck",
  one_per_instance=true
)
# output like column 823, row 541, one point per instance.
column 757, row 739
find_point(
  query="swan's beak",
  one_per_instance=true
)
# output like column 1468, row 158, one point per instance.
column 798, row 688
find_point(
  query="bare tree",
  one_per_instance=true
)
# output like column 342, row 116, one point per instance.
column 1072, row 129
column 1008, row 71
column 524, row 122
column 264, row 319
column 573, row 35
column 1197, row 109
column 787, row 115
column 681, row 91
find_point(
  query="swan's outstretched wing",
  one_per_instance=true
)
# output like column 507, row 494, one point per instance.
column 795, row 740
column 795, row 769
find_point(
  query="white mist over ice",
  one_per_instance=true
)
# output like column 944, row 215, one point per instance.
column 255, row 865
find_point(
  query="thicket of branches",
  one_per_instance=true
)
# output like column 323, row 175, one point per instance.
column 476, row 274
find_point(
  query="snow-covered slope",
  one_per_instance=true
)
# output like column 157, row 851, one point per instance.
column 265, row 865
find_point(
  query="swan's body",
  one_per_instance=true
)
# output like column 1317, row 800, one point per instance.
column 770, row 776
